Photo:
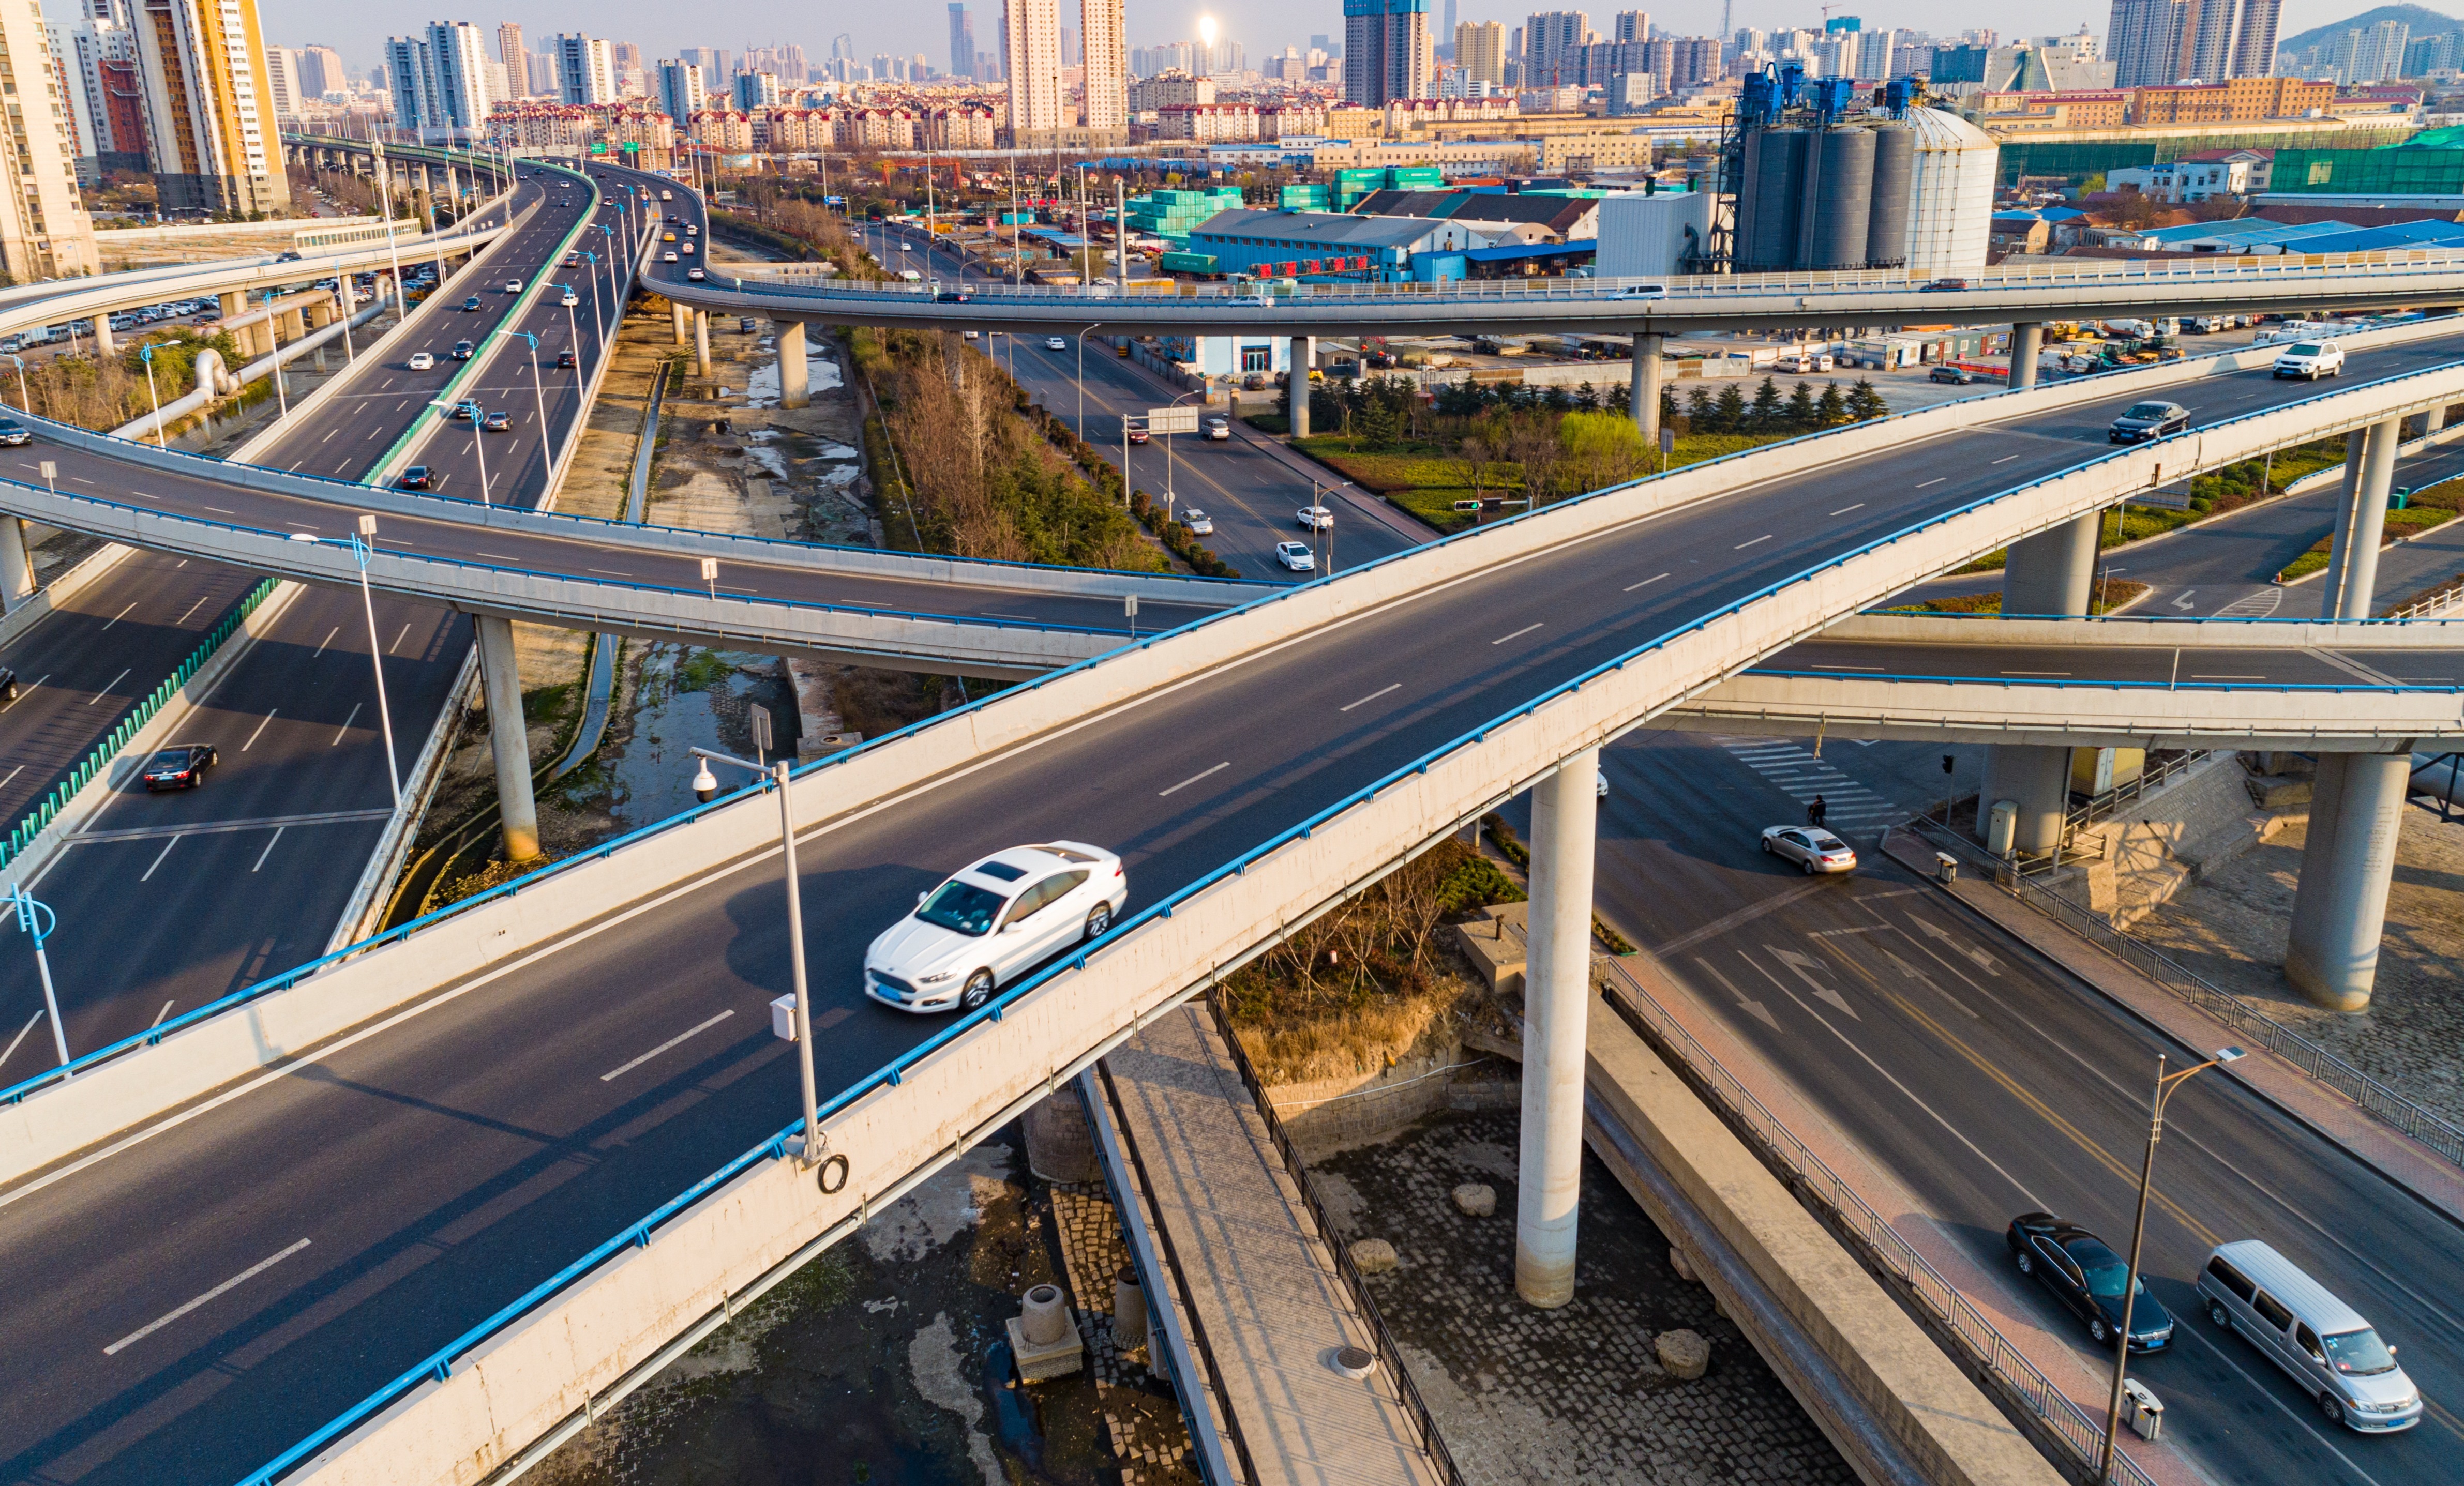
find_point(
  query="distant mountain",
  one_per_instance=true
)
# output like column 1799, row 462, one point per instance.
column 2423, row 23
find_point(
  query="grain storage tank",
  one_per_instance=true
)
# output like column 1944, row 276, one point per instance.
column 1767, row 199
column 1950, row 196
column 1887, row 231
column 1839, row 198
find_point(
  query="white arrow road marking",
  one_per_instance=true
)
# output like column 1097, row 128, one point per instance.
column 1761, row 1011
column 1952, row 942
column 1802, row 963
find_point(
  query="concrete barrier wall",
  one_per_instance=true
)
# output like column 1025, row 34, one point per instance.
column 2151, row 632
column 973, row 1076
column 495, row 935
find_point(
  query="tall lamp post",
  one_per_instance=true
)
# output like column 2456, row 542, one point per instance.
column 705, row 787
column 24, row 398
column 2165, row 1084
column 479, row 444
column 572, row 326
column 539, row 390
column 38, row 921
column 274, row 339
column 363, row 542
column 146, row 353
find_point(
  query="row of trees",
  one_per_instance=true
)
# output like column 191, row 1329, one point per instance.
column 1769, row 414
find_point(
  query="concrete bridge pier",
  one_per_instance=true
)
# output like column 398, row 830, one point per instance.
column 103, row 343
column 2027, row 338
column 500, row 672
column 2048, row 573
column 794, row 375
column 683, row 322
column 1556, row 1011
column 17, row 566
column 2351, row 584
column 701, row 342
column 1304, row 356
column 2347, row 863
column 1643, row 394
column 2034, row 778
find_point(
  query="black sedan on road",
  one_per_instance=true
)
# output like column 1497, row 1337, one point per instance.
column 2089, row 1278
column 416, row 478
column 2147, row 421
column 180, row 768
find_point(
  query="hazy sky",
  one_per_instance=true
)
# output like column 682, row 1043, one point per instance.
column 1262, row 26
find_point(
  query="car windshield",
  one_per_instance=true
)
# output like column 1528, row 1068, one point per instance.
column 170, row 758
column 2149, row 411
column 964, row 907
column 2105, row 1272
column 2359, row 1353
column 2306, row 348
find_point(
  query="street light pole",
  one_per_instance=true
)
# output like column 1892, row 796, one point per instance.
column 705, row 787
column 38, row 921
column 274, row 339
column 24, row 398
column 2165, row 1084
column 363, row 542
column 539, row 390
column 478, row 444
column 146, row 353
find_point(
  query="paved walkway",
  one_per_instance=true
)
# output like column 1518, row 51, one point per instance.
column 1271, row 1305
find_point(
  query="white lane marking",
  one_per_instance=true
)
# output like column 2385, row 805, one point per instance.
column 268, row 848
column 1194, row 778
column 1757, row 541
column 1646, row 583
column 329, row 436
column 20, row 1037
column 1930, row 484
column 2006, row 459
column 2203, row 676
column 328, row 640
column 107, row 685
column 616, row 1073
column 193, row 608
column 1517, row 635
column 220, row 512
column 399, row 639
column 345, row 728
column 607, row 572
column 121, row 614
column 158, row 1015
column 1363, row 702
column 234, row 1282
column 500, row 557
column 158, row 858
column 1844, row 509
column 260, row 729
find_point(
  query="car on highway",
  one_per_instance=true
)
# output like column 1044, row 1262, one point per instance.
column 1811, row 847
column 1945, row 286
column 1314, row 518
column 2311, row 360
column 464, row 411
column 2322, row 1344
column 2149, row 420
column 1134, row 430
column 1199, row 522
column 1296, row 555
column 2089, row 1278
column 696, row 275
column 952, row 296
column 7, row 685
column 513, row 286
column 415, row 479
column 472, row 303
column 566, row 361
column 692, row 230
column 14, row 433
column 667, row 237
column 1644, row 292
column 668, row 256
column 573, row 260
column 182, row 767
column 572, row 300
column 423, row 360
column 1219, row 428
column 464, row 350
column 497, row 422
column 992, row 923
column 1056, row 344
column 688, row 248
column 1956, row 376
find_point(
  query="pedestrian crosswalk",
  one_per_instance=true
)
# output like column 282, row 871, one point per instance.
column 2258, row 603
column 1848, row 806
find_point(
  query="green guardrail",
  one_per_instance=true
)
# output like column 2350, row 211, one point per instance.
column 99, row 760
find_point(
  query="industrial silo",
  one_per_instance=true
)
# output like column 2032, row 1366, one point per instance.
column 1766, row 211
column 1839, row 198
column 1951, row 195
column 1886, row 230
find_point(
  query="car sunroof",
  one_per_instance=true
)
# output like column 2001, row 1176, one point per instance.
column 1000, row 869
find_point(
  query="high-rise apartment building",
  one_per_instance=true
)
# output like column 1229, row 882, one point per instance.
column 1105, row 61
column 516, row 56
column 44, row 231
column 282, row 80
column 1387, row 51
column 209, row 117
column 1553, row 47
column 2253, row 49
column 585, row 69
column 1031, row 56
column 1479, row 51
column 2371, row 54
column 2143, row 37
column 682, row 92
column 85, row 51
column 1633, row 26
column 963, row 42
column 757, row 90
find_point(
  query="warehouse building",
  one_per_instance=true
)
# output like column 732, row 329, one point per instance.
column 1309, row 245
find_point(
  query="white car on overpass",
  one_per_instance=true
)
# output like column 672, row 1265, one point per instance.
column 1296, row 555
column 2311, row 360
column 993, row 924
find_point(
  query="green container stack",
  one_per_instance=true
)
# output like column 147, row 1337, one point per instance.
column 1302, row 198
column 1171, row 214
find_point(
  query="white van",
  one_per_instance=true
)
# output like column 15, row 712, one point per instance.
column 2320, row 1342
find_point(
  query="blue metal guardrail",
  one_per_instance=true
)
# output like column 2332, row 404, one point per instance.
column 99, row 758
column 439, row 1364
column 2007, row 683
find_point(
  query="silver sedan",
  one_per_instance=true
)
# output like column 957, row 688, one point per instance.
column 1811, row 847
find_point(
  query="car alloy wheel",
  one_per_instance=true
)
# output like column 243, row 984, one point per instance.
column 1098, row 921
column 2027, row 1262
column 2216, row 1314
column 2097, row 1332
column 1766, row 846
column 1808, row 866
column 980, row 989
column 2334, row 1410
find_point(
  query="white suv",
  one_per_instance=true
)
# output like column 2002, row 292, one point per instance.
column 993, row 924
column 1296, row 555
column 2311, row 360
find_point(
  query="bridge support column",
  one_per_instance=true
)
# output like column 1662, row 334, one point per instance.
column 701, row 342
column 16, row 565
column 2340, row 906
column 2432, row 420
column 104, row 344
column 1556, row 1008
column 1304, row 356
column 2360, row 522
column 501, row 671
column 2050, row 573
column 682, row 315
column 2036, row 779
column 2027, row 338
column 795, row 377
column 1643, row 393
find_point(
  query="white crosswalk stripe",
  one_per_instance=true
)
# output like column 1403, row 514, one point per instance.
column 1847, row 805
column 2260, row 604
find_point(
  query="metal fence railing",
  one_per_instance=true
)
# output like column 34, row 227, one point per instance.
column 1389, row 1357
column 2121, row 795
column 1942, row 1302
column 2383, row 1104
